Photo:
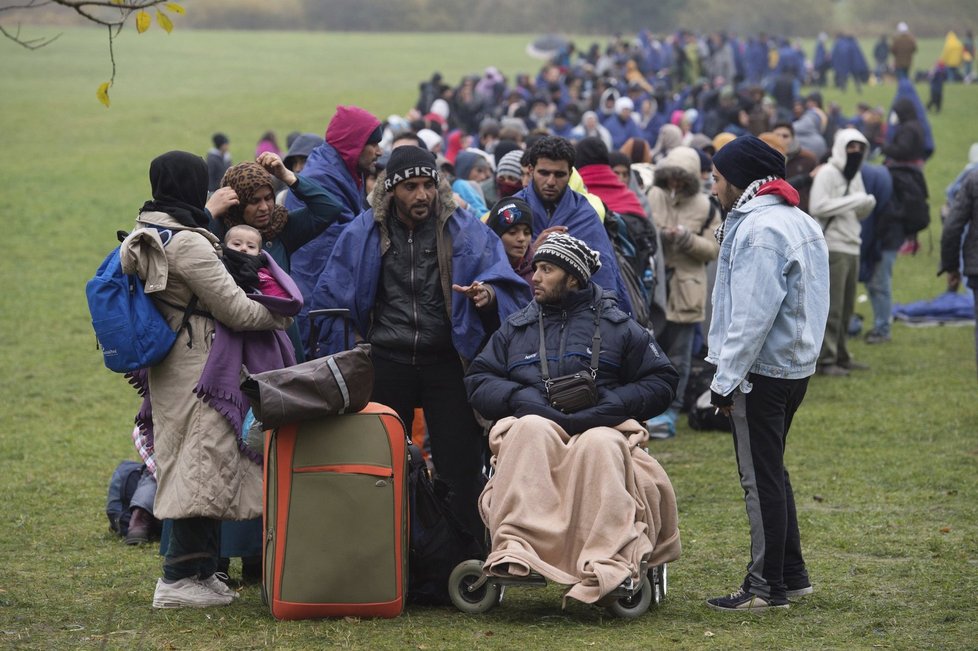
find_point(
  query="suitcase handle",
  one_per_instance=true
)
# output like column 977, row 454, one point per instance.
column 314, row 331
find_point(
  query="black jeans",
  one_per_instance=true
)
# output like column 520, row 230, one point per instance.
column 192, row 549
column 761, row 420
column 455, row 436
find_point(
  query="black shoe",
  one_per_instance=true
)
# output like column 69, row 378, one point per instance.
column 140, row 523
column 745, row 601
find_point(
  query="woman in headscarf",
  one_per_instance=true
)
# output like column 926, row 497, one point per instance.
column 246, row 197
column 202, row 475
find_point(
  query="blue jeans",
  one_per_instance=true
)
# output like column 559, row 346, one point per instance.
column 880, row 288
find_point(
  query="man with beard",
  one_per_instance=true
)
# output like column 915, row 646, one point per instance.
column 575, row 497
column 770, row 303
column 340, row 165
column 394, row 267
column 839, row 201
column 551, row 161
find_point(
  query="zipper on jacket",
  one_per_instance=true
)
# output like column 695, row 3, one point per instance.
column 563, row 343
column 414, row 303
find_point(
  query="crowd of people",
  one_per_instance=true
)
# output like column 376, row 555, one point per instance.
column 599, row 226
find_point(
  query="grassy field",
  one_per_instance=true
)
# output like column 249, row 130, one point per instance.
column 883, row 463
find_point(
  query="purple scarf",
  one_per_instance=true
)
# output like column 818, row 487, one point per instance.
column 219, row 384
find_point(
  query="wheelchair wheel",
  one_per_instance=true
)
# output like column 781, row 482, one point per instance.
column 659, row 577
column 476, row 601
column 635, row 605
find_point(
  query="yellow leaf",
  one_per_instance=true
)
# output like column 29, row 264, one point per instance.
column 118, row 2
column 103, row 94
column 164, row 21
column 142, row 21
column 175, row 8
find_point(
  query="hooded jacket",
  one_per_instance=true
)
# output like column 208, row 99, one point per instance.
column 466, row 249
column 686, row 255
column 333, row 165
column 837, row 203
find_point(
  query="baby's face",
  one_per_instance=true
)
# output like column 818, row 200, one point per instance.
column 245, row 243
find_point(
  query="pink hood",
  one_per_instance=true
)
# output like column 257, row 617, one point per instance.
column 347, row 133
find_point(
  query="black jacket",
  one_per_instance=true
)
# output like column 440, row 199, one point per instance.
column 635, row 378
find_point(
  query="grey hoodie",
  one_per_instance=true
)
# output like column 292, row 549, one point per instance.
column 839, row 204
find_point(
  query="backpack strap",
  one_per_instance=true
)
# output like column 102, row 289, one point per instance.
column 166, row 236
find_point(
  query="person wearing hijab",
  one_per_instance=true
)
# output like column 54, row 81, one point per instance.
column 245, row 197
column 203, row 477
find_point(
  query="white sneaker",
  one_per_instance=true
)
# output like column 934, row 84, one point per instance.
column 187, row 593
column 216, row 582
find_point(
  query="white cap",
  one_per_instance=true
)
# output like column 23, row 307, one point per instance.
column 902, row 27
column 623, row 103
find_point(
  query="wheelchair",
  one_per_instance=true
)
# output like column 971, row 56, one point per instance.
column 473, row 591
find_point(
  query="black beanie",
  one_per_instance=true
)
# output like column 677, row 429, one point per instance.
column 407, row 162
column 509, row 212
column 590, row 151
column 570, row 254
column 747, row 159
column 376, row 135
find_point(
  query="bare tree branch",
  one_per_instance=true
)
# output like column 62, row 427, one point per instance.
column 30, row 44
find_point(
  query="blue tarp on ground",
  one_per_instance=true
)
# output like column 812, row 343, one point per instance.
column 948, row 307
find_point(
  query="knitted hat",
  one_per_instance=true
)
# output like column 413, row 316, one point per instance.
column 408, row 162
column 570, row 254
column 747, row 159
column 509, row 164
column 509, row 212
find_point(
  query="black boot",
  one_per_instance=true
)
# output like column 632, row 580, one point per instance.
column 140, row 524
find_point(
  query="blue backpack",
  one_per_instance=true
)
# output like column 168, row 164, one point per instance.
column 128, row 326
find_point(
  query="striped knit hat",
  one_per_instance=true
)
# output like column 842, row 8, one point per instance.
column 570, row 254
column 509, row 164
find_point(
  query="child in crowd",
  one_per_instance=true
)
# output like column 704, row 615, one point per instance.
column 248, row 264
column 512, row 220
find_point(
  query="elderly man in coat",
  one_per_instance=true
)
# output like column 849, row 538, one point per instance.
column 575, row 497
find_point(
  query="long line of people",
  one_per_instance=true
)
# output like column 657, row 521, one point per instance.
column 428, row 227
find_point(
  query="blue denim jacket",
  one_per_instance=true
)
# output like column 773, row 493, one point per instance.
column 771, row 297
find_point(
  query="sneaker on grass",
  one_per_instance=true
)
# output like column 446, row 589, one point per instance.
column 187, row 593
column 217, row 582
column 742, row 600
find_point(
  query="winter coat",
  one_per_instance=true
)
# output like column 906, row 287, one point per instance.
column 200, row 470
column 333, row 165
column 634, row 378
column 837, row 204
column 903, row 47
column 963, row 213
column 907, row 143
column 687, row 255
column 467, row 251
column 808, row 132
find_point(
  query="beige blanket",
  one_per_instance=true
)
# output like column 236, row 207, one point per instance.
column 582, row 511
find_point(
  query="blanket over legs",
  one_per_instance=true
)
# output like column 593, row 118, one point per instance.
column 603, row 507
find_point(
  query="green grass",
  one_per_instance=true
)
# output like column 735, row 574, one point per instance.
column 883, row 463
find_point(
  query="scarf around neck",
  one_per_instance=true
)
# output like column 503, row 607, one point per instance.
column 748, row 194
